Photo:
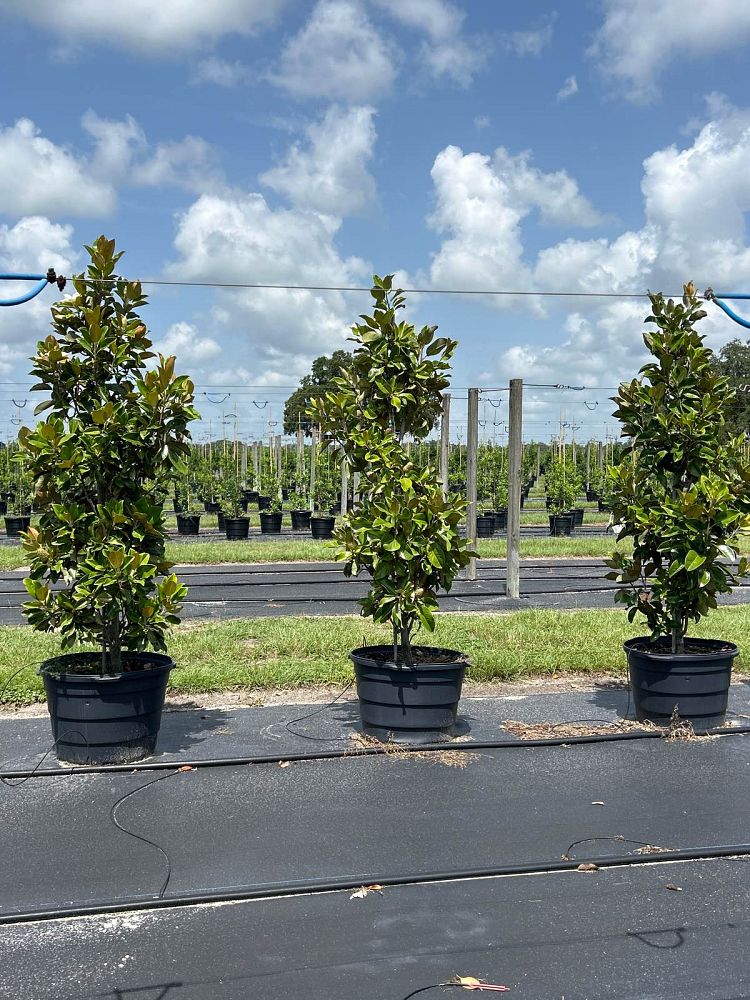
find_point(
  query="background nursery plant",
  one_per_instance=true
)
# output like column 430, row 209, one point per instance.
column 114, row 438
column 403, row 531
column 682, row 490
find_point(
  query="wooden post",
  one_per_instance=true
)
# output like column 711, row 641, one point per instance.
column 256, row 465
column 472, row 440
column 515, row 448
column 344, row 486
column 300, row 453
column 243, row 461
column 278, row 458
column 445, row 438
column 313, row 456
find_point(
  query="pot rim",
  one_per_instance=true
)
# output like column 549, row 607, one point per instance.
column 711, row 652
column 361, row 654
column 45, row 669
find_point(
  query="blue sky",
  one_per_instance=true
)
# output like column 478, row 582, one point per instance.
column 479, row 144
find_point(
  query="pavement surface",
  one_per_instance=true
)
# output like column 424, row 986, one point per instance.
column 165, row 860
column 272, row 590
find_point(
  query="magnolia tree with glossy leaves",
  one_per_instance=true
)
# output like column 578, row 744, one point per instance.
column 114, row 437
column 403, row 532
column 682, row 490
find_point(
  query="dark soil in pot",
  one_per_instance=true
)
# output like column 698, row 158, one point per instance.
column 300, row 520
column 105, row 720
column 695, row 682
column 236, row 527
column 270, row 524
column 322, row 526
column 404, row 704
column 560, row 524
column 188, row 524
column 14, row 525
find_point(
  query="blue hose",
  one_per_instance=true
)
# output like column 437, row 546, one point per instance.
column 718, row 296
column 42, row 280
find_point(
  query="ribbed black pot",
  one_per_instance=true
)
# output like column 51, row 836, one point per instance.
column 270, row 524
column 236, row 527
column 485, row 525
column 408, row 704
column 220, row 516
column 578, row 513
column 300, row 520
column 3, row 507
column 695, row 682
column 211, row 506
column 602, row 506
column 501, row 520
column 15, row 525
column 591, row 495
column 250, row 495
column 263, row 502
column 242, row 505
column 560, row 524
column 322, row 526
column 105, row 720
column 188, row 524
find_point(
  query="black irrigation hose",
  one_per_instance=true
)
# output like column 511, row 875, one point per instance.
column 354, row 751
column 301, row 887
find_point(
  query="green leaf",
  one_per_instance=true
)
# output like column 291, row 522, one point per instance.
column 693, row 560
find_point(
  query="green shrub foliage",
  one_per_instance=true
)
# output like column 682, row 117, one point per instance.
column 114, row 437
column 682, row 490
column 404, row 532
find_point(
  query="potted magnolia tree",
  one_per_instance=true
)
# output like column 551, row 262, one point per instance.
column 404, row 533
column 682, row 494
column 114, row 436
column 562, row 490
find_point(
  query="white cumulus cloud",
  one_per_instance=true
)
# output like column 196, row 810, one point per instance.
column 568, row 89
column 639, row 38
column 329, row 173
column 145, row 26
column 337, row 54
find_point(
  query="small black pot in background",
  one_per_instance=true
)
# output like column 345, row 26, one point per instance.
column 270, row 524
column 105, row 720
column 236, row 527
column 560, row 524
column 300, row 520
column 15, row 525
column 485, row 525
column 501, row 520
column 212, row 507
column 222, row 520
column 188, row 524
column 591, row 495
column 322, row 526
column 577, row 513
column 3, row 507
column 263, row 502
column 695, row 682
column 603, row 507
column 250, row 495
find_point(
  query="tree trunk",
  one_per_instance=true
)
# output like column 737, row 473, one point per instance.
column 678, row 641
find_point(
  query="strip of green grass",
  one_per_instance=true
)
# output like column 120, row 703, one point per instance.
column 267, row 653
column 209, row 553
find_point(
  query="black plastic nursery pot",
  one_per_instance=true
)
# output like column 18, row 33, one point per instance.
column 560, row 524
column 263, row 502
column 591, row 495
column 300, row 520
column 485, row 525
column 105, row 720
column 577, row 513
column 501, row 520
column 221, row 518
column 236, row 527
column 322, row 526
column 405, row 704
column 3, row 507
column 250, row 495
column 211, row 506
column 695, row 682
column 602, row 506
column 188, row 524
column 270, row 524
column 15, row 525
